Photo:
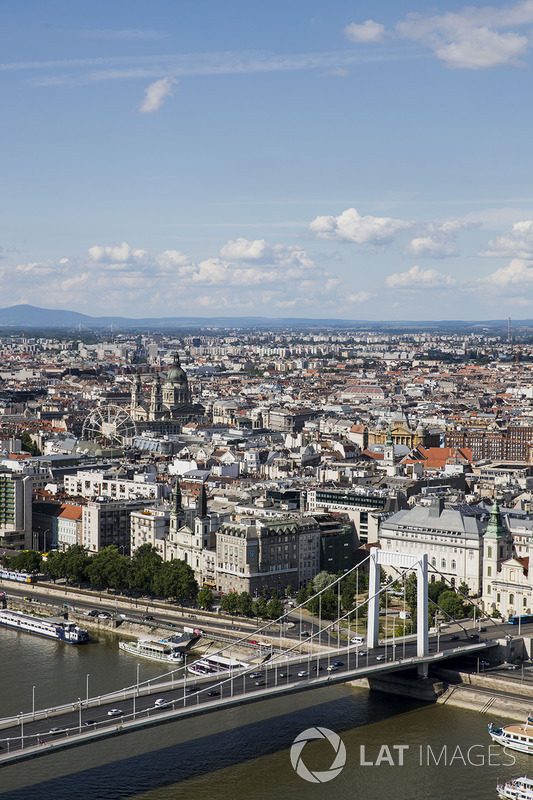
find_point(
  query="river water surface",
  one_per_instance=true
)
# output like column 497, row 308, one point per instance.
column 391, row 744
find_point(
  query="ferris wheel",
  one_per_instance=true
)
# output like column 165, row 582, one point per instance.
column 109, row 422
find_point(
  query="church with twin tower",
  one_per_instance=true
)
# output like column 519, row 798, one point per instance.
column 169, row 404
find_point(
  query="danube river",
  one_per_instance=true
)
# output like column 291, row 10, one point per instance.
column 389, row 746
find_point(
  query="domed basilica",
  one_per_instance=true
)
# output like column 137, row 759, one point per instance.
column 169, row 401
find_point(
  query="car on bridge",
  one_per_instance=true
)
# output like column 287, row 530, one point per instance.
column 303, row 673
column 56, row 731
column 191, row 689
column 161, row 703
column 115, row 712
column 213, row 693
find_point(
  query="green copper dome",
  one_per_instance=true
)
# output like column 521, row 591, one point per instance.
column 176, row 374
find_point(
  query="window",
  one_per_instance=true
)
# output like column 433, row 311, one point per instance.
column 489, row 572
column 511, row 599
column 489, row 552
column 443, row 563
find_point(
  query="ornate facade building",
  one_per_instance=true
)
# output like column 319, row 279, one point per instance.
column 169, row 405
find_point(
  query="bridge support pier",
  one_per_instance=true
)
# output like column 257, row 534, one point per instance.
column 423, row 670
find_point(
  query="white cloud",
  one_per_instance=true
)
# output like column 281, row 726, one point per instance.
column 430, row 247
column 518, row 272
column 470, row 38
column 117, row 278
column 517, row 242
column 482, row 47
column 439, row 240
column 123, row 254
column 418, row 278
column 156, row 94
column 359, row 297
column 350, row 226
column 246, row 250
column 369, row 31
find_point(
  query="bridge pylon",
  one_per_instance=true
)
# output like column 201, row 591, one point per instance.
column 402, row 562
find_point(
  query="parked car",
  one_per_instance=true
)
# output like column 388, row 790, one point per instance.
column 104, row 615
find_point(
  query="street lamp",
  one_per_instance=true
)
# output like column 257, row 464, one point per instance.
column 79, row 713
column 22, row 730
column 87, row 690
column 33, row 702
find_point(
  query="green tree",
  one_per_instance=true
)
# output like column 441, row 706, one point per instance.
column 108, row 568
column 274, row 608
column 245, row 604
column 410, row 592
column 205, row 598
column 230, row 603
column 28, row 445
column 260, row 607
column 302, row 596
column 27, row 561
column 451, row 604
column 322, row 580
column 347, row 599
column 288, row 591
column 55, row 565
column 76, row 564
column 146, row 563
column 176, row 579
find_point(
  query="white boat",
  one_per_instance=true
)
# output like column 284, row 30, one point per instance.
column 155, row 650
column 518, row 789
column 515, row 736
column 210, row 665
column 61, row 630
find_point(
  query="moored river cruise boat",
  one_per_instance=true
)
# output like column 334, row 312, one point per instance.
column 211, row 665
column 155, row 650
column 59, row 629
column 518, row 789
column 515, row 736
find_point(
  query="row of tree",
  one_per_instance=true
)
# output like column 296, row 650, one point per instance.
column 145, row 572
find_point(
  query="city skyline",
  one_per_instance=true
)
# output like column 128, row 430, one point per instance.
column 364, row 161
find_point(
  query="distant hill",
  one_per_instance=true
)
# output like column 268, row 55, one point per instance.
column 26, row 316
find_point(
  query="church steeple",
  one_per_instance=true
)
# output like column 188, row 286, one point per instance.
column 177, row 508
column 202, row 503
column 495, row 528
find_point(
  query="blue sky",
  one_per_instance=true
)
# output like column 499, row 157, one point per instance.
column 361, row 160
